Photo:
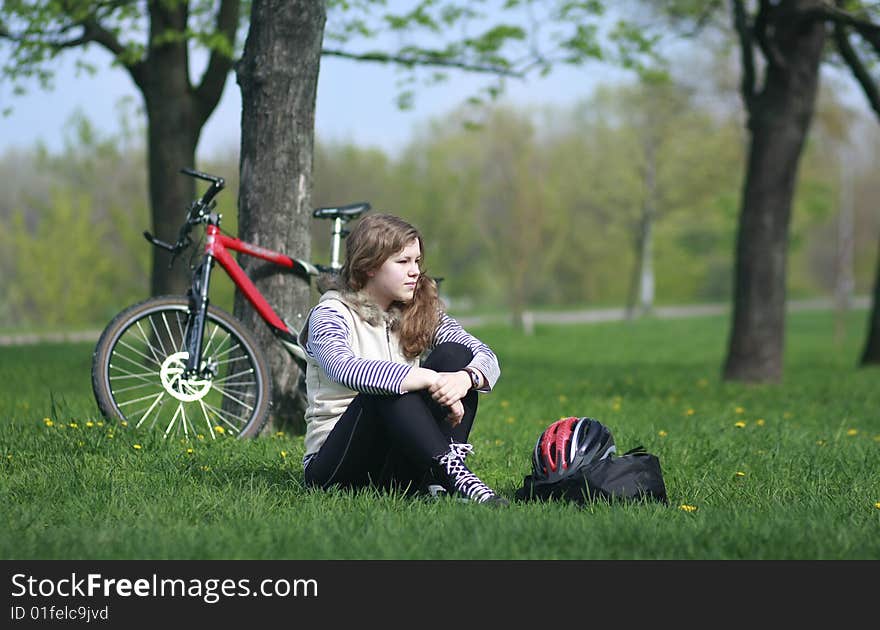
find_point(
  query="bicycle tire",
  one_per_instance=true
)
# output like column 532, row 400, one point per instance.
column 137, row 370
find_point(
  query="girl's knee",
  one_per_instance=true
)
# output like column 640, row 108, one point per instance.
column 449, row 357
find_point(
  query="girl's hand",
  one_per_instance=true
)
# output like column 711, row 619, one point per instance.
column 450, row 387
column 456, row 413
column 419, row 378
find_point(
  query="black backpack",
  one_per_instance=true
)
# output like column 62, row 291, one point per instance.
column 633, row 476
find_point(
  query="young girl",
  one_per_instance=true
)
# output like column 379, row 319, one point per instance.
column 392, row 380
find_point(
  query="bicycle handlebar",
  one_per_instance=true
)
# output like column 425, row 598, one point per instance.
column 195, row 214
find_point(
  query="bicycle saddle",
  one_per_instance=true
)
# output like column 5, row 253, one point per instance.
column 346, row 213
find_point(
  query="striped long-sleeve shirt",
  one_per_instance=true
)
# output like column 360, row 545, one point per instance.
column 329, row 343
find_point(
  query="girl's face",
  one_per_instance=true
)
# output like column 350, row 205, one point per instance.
column 395, row 280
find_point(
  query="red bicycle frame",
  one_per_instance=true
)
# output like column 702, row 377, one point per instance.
column 217, row 246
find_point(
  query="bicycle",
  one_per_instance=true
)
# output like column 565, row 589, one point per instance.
column 176, row 362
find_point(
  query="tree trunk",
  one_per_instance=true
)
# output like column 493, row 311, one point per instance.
column 779, row 118
column 176, row 114
column 278, row 75
column 172, row 135
column 871, row 353
column 843, row 260
column 641, row 293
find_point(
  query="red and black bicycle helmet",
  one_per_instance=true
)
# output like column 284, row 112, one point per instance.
column 567, row 445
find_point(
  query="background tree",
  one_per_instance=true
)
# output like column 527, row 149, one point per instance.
column 152, row 44
column 782, row 47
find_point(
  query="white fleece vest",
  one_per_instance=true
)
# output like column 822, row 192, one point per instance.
column 373, row 336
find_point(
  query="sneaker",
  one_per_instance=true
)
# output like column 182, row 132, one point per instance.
column 435, row 491
column 459, row 480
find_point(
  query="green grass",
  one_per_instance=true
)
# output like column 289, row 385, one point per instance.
column 808, row 454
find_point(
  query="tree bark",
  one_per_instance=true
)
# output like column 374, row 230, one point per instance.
column 779, row 119
column 278, row 75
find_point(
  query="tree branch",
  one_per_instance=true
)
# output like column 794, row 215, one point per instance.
column 380, row 57
column 771, row 52
column 740, row 23
column 866, row 28
column 858, row 68
column 210, row 88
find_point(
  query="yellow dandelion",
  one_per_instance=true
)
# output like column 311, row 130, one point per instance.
column 48, row 422
column 739, row 410
column 219, row 429
column 90, row 424
column 124, row 423
column 283, row 453
column 499, row 442
column 110, row 436
column 615, row 406
column 136, row 447
column 200, row 436
column 687, row 508
column 689, row 412
column 876, row 505
column 279, row 434
column 740, row 424
column 73, row 425
column 662, row 433
column 760, row 422
column 820, row 442
column 10, row 457
column 100, row 424
column 852, row 432
column 505, row 404
column 189, row 451
column 740, row 473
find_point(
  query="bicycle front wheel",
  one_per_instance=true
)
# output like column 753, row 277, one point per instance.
column 138, row 373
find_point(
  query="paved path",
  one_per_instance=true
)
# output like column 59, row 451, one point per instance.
column 661, row 312
column 531, row 318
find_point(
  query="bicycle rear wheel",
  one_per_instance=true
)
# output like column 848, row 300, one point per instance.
column 138, row 365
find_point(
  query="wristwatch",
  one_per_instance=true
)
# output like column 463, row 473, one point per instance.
column 475, row 377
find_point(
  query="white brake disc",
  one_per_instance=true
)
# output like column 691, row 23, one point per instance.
column 187, row 390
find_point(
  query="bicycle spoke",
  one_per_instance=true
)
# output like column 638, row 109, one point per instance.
column 138, row 352
column 170, row 334
column 147, row 340
column 173, row 419
column 207, row 347
column 207, row 420
column 182, row 330
column 229, row 376
column 219, row 413
column 147, row 412
column 120, row 374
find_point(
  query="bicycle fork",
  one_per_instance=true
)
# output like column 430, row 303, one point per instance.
column 198, row 311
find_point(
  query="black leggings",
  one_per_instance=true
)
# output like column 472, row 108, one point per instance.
column 390, row 440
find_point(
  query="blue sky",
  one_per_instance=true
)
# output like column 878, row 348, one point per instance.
column 355, row 102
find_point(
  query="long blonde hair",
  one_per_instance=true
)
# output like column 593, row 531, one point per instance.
column 374, row 239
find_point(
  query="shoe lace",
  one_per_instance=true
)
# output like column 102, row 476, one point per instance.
column 463, row 480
